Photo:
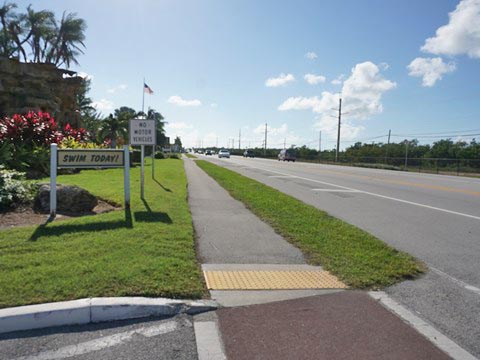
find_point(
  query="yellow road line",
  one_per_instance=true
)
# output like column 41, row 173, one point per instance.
column 406, row 183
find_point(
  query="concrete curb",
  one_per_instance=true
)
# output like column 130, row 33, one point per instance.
column 92, row 310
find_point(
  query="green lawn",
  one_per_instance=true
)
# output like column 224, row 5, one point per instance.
column 354, row 256
column 148, row 251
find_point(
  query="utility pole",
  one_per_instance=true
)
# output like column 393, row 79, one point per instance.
column 319, row 143
column 265, row 149
column 239, row 138
column 339, row 125
column 285, row 143
column 216, row 143
column 388, row 145
column 406, row 154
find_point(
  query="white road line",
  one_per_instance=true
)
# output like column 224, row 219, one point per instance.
column 459, row 282
column 436, row 337
column 279, row 176
column 209, row 345
column 102, row 343
column 374, row 194
column 336, row 190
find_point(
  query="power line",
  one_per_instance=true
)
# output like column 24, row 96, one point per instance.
column 437, row 136
column 438, row 133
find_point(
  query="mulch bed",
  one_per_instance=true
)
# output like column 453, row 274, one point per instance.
column 25, row 215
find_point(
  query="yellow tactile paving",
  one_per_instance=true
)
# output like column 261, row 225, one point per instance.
column 271, row 280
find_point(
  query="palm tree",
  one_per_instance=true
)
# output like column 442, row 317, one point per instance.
column 68, row 41
column 50, row 42
column 42, row 31
column 125, row 113
column 153, row 114
column 7, row 16
column 113, row 128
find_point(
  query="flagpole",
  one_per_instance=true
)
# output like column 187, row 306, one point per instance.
column 143, row 97
column 142, row 147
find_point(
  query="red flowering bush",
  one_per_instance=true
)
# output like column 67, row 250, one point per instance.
column 39, row 128
column 25, row 140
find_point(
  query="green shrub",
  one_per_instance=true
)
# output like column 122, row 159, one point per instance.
column 135, row 155
column 14, row 189
column 159, row 155
column 172, row 156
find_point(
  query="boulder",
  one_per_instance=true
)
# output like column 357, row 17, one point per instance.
column 70, row 199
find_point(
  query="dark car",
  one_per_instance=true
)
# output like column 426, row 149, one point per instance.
column 249, row 153
column 287, row 155
column 208, row 152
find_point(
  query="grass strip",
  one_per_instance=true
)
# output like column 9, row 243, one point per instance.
column 353, row 255
column 147, row 251
column 191, row 156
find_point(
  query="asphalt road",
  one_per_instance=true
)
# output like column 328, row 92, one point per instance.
column 170, row 338
column 433, row 217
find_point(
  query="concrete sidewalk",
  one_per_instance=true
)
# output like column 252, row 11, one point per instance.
column 289, row 324
column 227, row 232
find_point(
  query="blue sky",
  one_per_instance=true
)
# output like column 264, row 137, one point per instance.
column 209, row 64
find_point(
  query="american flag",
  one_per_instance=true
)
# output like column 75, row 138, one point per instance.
column 147, row 89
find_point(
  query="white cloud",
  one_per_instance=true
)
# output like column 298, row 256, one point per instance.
column 281, row 130
column 103, row 105
column 85, row 75
column 462, row 33
column 81, row 74
column 311, row 55
column 178, row 101
column 277, row 136
column 313, row 79
column 384, row 66
column 281, row 80
column 120, row 87
column 361, row 92
column 338, row 80
column 302, row 103
column 429, row 69
column 179, row 125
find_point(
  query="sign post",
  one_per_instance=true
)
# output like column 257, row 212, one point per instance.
column 53, row 180
column 142, row 173
column 87, row 159
column 143, row 132
column 126, row 176
column 153, row 162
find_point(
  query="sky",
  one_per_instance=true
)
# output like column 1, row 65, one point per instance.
column 218, row 68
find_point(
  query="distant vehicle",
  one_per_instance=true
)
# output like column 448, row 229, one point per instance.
column 200, row 151
column 287, row 155
column 208, row 152
column 248, row 153
column 224, row 154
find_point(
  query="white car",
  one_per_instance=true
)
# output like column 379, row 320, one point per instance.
column 224, row 154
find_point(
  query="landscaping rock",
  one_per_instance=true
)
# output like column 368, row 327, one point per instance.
column 32, row 86
column 70, row 199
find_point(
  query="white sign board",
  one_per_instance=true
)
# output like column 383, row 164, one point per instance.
column 84, row 159
column 142, row 132
column 90, row 158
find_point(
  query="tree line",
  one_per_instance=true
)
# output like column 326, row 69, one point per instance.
column 381, row 152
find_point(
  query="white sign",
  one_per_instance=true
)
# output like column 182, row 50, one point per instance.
column 142, row 132
column 90, row 158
